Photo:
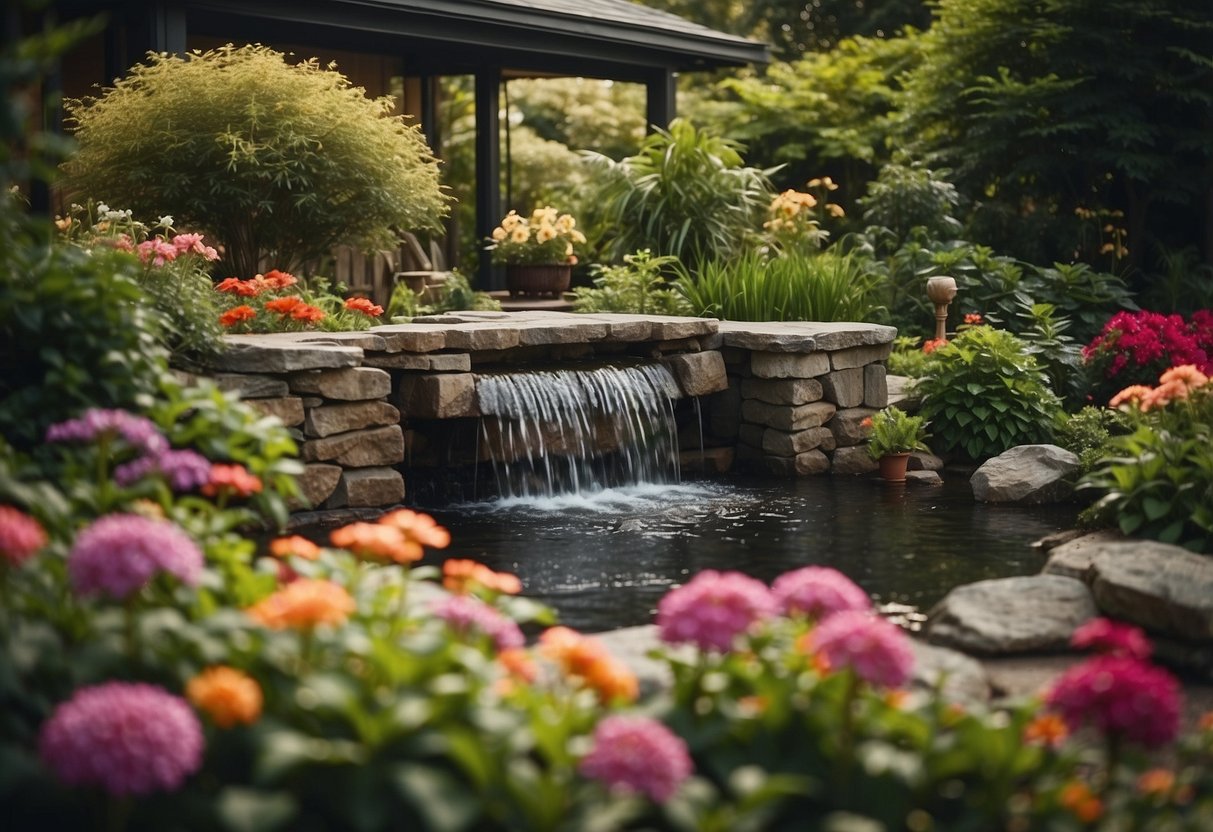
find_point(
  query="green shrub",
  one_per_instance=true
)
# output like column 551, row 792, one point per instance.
column 454, row 294
column 1157, row 480
column 278, row 162
column 907, row 358
column 984, row 393
column 1089, row 432
column 796, row 287
column 636, row 287
column 686, row 193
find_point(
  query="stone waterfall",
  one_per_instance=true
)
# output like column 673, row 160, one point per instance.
column 552, row 432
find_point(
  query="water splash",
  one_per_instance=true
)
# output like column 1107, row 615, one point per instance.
column 560, row 432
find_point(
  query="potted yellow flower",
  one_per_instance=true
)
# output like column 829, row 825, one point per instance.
column 537, row 251
column 895, row 434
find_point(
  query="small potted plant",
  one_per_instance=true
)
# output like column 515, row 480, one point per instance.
column 537, row 251
column 894, row 435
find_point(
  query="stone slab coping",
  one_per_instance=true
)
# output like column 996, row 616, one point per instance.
column 803, row 336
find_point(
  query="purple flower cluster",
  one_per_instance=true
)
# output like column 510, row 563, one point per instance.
column 1106, row 636
column 1122, row 696
column 138, row 432
column 712, row 609
column 464, row 614
column 120, row 553
column 817, row 592
column 129, row 739
column 875, row 650
column 637, row 754
column 184, row 470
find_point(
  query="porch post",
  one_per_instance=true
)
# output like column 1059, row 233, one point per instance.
column 661, row 93
column 488, row 168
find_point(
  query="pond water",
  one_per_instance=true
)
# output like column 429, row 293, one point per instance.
column 604, row 560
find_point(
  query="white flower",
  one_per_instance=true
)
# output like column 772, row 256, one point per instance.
column 166, row 221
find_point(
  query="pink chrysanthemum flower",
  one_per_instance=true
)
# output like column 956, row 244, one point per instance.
column 138, row 432
column 185, row 470
column 119, row 554
column 129, row 739
column 818, row 592
column 21, row 536
column 637, row 754
column 192, row 244
column 465, row 614
column 713, row 609
column 1112, row 638
column 877, row 651
column 1123, row 697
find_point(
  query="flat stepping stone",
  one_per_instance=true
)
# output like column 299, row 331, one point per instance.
column 1165, row 589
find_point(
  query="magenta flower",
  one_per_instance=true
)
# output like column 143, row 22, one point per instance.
column 192, row 244
column 184, row 470
column 138, row 432
column 875, row 650
column 818, row 592
column 713, row 609
column 119, row 554
column 21, row 536
column 1111, row 638
column 127, row 738
column 156, row 251
column 1123, row 697
column 464, row 614
column 637, row 754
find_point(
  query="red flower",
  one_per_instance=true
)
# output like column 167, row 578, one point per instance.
column 236, row 286
column 237, row 315
column 930, row 346
column 285, row 306
column 974, row 319
column 364, row 306
column 231, row 479
column 275, row 279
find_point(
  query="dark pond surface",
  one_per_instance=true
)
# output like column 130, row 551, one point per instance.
column 604, row 561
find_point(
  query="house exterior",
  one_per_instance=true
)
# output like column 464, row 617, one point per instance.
column 406, row 45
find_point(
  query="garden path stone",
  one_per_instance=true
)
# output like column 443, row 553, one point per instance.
column 1026, row 474
column 1011, row 615
column 1165, row 589
column 1073, row 558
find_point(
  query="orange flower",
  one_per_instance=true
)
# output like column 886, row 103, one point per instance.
column 307, row 313
column 1156, row 782
column 933, row 344
column 294, row 545
column 464, row 576
column 418, row 527
column 612, row 680
column 753, row 706
column 897, row 699
column 585, row 661
column 866, row 424
column 233, row 480
column 1132, row 395
column 286, row 305
column 303, row 604
column 373, row 541
column 365, row 306
column 1186, row 374
column 518, row 663
column 1206, row 721
column 236, row 286
column 1078, row 799
column 236, row 315
column 275, row 279
column 1046, row 729
column 1164, row 394
column 974, row 319
column 226, row 695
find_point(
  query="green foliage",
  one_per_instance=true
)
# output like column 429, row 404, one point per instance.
column 753, row 287
column 278, row 162
column 906, row 196
column 984, row 393
column 453, row 295
column 894, row 432
column 1157, row 480
column 636, row 287
column 686, row 194
column 577, row 114
column 907, row 358
column 1088, row 433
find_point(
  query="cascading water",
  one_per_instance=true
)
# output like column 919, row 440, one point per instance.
column 553, row 432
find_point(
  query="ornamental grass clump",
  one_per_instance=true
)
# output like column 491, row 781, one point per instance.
column 278, row 161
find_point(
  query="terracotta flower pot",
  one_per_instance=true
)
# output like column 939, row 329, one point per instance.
column 538, row 278
column 893, row 466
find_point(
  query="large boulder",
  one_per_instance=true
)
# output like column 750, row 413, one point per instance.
column 1073, row 557
column 1011, row 615
column 959, row 678
column 1165, row 589
column 1026, row 474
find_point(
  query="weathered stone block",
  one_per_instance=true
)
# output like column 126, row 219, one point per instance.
column 341, row 418
column 875, row 388
column 317, row 482
column 844, row 387
column 412, row 337
column 444, row 396
column 847, row 426
column 852, row 460
column 250, row 354
column 447, row 362
column 801, row 465
column 251, row 385
column 671, row 328
column 352, row 384
column 787, row 417
column 858, row 356
column 288, row 409
column 486, row 336
column 1073, row 558
column 793, row 391
column 783, row 443
column 789, row 365
column 367, row 487
column 1163, row 588
column 359, row 448
column 698, row 373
